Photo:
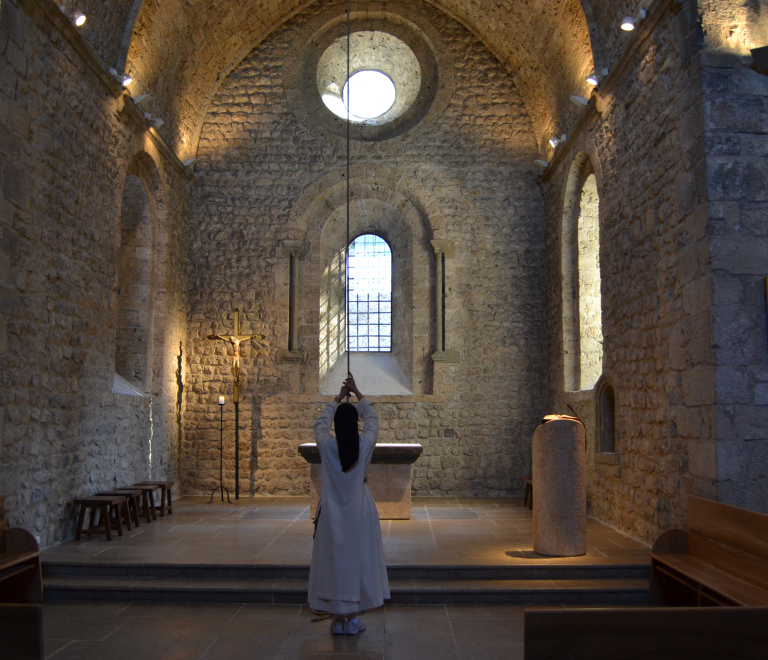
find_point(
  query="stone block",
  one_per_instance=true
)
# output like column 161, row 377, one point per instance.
column 699, row 386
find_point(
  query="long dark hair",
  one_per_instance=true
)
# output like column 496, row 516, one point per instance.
column 347, row 436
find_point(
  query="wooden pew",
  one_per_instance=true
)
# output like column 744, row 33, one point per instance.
column 720, row 558
column 651, row 633
column 21, row 594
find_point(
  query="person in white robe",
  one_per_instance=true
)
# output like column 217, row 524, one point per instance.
column 348, row 573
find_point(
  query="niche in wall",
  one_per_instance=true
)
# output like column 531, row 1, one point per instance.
column 605, row 428
column 133, row 352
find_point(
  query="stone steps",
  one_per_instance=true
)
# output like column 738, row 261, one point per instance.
column 522, row 585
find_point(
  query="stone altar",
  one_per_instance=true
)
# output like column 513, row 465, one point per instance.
column 389, row 477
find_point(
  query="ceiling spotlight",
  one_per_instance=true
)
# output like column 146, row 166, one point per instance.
column 580, row 100
column 555, row 141
column 157, row 122
column 627, row 24
column 78, row 18
column 541, row 163
column 189, row 162
column 123, row 78
column 593, row 79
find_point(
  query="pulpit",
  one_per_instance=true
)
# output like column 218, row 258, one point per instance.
column 389, row 477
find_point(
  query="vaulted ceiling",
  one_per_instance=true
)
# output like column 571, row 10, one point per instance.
column 180, row 50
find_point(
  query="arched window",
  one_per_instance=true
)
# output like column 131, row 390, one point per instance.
column 135, row 277
column 370, row 294
column 606, row 417
column 581, row 286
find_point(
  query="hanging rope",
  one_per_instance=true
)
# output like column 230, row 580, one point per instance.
column 346, row 259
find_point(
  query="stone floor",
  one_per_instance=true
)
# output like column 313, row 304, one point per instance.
column 143, row 631
column 267, row 531
column 278, row 530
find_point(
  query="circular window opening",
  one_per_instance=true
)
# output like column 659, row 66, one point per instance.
column 368, row 94
column 384, row 81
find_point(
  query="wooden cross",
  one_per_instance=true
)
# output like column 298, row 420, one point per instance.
column 236, row 339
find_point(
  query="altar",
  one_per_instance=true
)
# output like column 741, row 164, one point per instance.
column 389, row 477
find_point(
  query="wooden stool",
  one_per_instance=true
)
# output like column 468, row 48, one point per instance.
column 103, row 505
column 148, row 499
column 132, row 496
column 165, row 495
column 528, row 497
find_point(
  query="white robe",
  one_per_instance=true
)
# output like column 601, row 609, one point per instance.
column 348, row 573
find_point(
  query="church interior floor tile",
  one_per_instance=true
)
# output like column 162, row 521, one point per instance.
column 263, row 530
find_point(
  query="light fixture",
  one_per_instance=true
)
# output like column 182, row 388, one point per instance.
column 142, row 99
column 542, row 163
column 157, row 122
column 78, row 18
column 593, row 79
column 628, row 23
column 556, row 141
column 579, row 100
column 189, row 162
column 123, row 78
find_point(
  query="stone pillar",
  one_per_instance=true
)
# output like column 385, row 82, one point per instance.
column 443, row 250
column 560, row 489
column 294, row 252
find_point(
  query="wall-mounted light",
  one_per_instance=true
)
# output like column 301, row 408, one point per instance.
column 556, row 141
column 542, row 163
column 580, row 100
column 78, row 18
column 123, row 78
column 157, row 122
column 593, row 79
column 629, row 23
column 189, row 162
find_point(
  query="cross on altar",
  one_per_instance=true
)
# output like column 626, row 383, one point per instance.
column 236, row 339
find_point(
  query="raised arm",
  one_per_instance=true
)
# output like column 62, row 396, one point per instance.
column 323, row 423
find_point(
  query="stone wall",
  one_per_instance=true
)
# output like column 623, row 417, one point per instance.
column 648, row 153
column 464, row 173
column 736, row 129
column 64, row 154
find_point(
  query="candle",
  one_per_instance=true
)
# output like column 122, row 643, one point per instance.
column 221, row 400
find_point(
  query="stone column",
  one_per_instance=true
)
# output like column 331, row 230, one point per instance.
column 294, row 252
column 443, row 250
column 560, row 489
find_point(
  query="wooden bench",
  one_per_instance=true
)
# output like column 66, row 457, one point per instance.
column 646, row 633
column 21, row 594
column 528, row 497
column 720, row 558
column 104, row 509
column 148, row 499
column 132, row 498
column 165, row 495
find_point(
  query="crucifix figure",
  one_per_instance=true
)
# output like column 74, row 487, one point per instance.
column 236, row 339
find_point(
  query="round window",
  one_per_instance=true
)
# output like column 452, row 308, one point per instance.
column 384, row 81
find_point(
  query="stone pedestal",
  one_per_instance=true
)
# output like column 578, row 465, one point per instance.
column 559, row 489
column 389, row 478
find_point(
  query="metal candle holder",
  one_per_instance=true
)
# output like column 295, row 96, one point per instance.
column 221, row 486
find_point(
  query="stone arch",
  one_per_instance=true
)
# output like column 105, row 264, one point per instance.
column 594, row 34
column 140, row 272
column 581, row 281
column 606, row 437
column 385, row 203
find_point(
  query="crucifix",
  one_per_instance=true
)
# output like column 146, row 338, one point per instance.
column 236, row 339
